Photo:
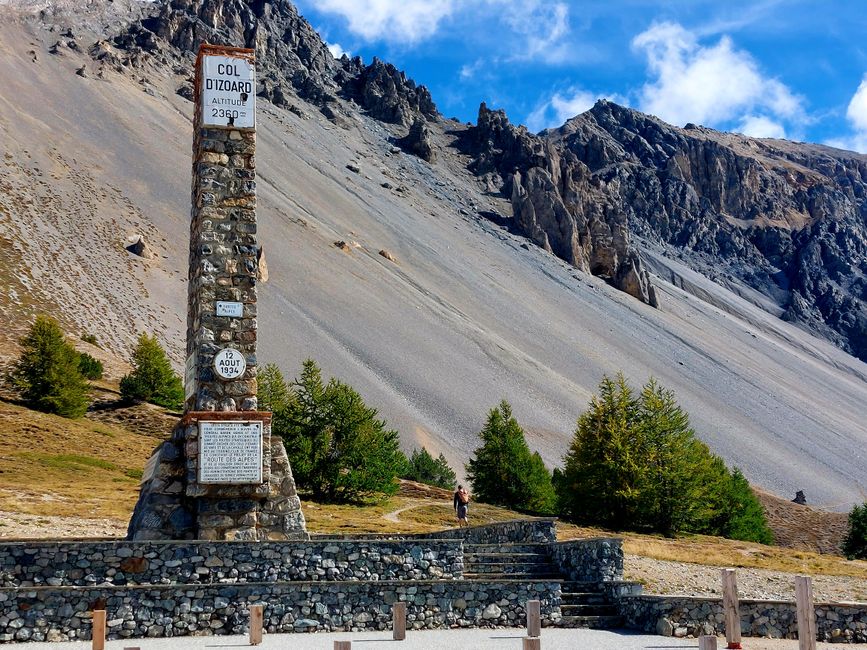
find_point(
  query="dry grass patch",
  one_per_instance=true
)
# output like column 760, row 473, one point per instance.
column 716, row 551
column 53, row 466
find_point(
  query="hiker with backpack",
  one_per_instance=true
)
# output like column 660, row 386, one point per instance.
column 461, row 503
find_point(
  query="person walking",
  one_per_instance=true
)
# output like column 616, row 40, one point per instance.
column 461, row 503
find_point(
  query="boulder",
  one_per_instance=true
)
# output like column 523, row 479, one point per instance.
column 138, row 246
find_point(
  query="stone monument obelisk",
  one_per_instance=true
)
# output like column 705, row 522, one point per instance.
column 221, row 475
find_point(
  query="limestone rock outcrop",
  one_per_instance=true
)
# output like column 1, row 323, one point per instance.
column 784, row 219
column 418, row 141
column 557, row 204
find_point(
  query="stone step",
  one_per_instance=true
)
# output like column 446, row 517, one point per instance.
column 587, row 610
column 594, row 622
column 506, row 548
column 513, row 577
column 532, row 568
column 574, row 586
column 495, row 558
column 584, row 597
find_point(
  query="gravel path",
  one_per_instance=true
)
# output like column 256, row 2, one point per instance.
column 662, row 577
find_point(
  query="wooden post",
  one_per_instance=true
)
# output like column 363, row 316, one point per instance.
column 257, row 615
column 532, row 643
column 707, row 643
column 534, row 618
column 98, row 629
column 343, row 645
column 806, row 613
column 398, row 617
column 731, row 609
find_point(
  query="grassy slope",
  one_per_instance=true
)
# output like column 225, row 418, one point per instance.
column 54, row 466
column 89, row 468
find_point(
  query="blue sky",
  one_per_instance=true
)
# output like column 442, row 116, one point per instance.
column 772, row 68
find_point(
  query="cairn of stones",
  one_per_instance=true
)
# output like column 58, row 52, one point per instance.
column 221, row 475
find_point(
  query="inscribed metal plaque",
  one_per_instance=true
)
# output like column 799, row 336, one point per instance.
column 228, row 92
column 230, row 309
column 229, row 363
column 230, row 452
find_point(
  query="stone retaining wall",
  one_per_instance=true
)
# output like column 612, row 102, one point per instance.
column 140, row 563
column 505, row 532
column 590, row 560
column 57, row 614
column 685, row 616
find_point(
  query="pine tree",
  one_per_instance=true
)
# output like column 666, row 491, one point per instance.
column 855, row 542
column 338, row 448
column 676, row 479
column 47, row 373
column 504, row 472
column 604, row 469
column 272, row 392
column 424, row 468
column 745, row 518
column 635, row 463
column 89, row 366
column 152, row 378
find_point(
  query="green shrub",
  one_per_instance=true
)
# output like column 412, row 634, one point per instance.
column 90, row 338
column 89, row 366
column 504, row 472
column 152, row 378
column 424, row 468
column 47, row 374
column 338, row 448
column 855, row 542
column 635, row 463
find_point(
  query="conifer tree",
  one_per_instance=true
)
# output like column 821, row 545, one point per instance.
column 273, row 391
column 635, row 463
column 422, row 467
column 504, row 472
column 89, row 366
column 338, row 448
column 745, row 518
column 47, row 373
column 855, row 542
column 152, row 378
column 604, row 469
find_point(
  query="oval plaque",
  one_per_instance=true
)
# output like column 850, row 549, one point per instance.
column 229, row 363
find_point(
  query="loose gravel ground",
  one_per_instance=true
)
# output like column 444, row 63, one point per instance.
column 662, row 577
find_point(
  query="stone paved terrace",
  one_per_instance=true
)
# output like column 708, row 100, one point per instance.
column 508, row 639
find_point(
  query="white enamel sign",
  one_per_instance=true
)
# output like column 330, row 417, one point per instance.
column 230, row 452
column 231, row 309
column 229, row 363
column 228, row 92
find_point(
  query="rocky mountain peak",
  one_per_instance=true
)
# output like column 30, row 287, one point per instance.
column 291, row 56
column 556, row 203
column 388, row 95
column 787, row 220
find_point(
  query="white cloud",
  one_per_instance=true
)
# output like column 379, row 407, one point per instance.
column 760, row 126
column 405, row 21
column 337, row 51
column 711, row 85
column 563, row 106
column 856, row 113
column 469, row 70
column 539, row 29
